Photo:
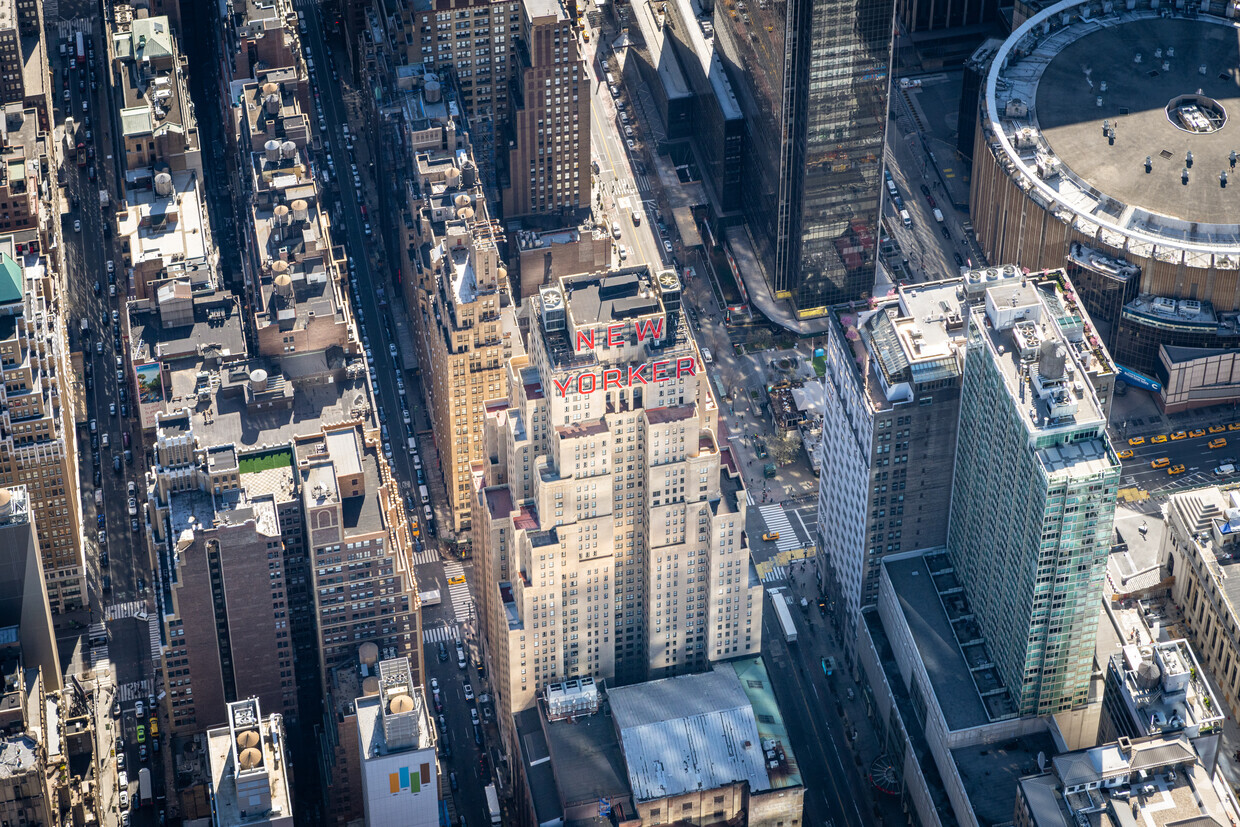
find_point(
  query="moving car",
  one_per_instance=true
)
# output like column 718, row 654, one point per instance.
column 1218, row 443
column 771, row 537
column 1178, row 469
column 1161, row 462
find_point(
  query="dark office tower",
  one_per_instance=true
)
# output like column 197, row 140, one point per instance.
column 23, row 598
column 817, row 126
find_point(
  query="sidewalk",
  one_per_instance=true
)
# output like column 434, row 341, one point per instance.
column 823, row 640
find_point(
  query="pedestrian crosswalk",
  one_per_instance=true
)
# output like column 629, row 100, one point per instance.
column 445, row 634
column 152, row 624
column 421, row 558
column 462, row 602
column 776, row 574
column 98, row 655
column 776, row 520
column 119, row 611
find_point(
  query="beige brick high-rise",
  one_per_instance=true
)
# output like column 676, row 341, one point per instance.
column 472, row 38
column 549, row 153
column 610, row 535
column 468, row 328
column 38, row 444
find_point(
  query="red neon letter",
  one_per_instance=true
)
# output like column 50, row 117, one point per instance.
column 652, row 328
column 586, row 337
column 613, row 337
column 611, row 378
column 562, row 387
column 661, row 366
column 638, row 373
column 581, row 382
column 685, row 365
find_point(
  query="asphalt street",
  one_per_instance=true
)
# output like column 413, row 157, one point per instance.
column 1193, row 453
column 372, row 285
column 617, row 180
column 118, row 591
column 931, row 255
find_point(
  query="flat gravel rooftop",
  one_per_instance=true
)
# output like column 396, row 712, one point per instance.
column 1135, row 102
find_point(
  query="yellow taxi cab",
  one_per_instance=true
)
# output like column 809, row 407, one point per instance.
column 1161, row 462
column 1217, row 429
column 1178, row 469
column 1178, row 435
column 772, row 537
column 1159, row 438
column 1137, row 440
column 1126, row 453
column 154, row 727
column 1233, row 426
column 456, row 580
column 1218, row 443
column 1196, row 432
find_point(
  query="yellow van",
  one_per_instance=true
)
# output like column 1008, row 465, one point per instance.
column 1161, row 462
column 1218, row 443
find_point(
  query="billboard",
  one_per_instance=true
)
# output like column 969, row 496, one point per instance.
column 150, row 391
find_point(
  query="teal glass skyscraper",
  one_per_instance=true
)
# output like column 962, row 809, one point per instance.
column 1033, row 496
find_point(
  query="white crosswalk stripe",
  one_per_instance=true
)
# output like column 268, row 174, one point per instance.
column 118, row 611
column 776, row 574
column 132, row 691
column 421, row 558
column 157, row 648
column 643, row 183
column 462, row 602
column 446, row 634
column 776, row 520
column 98, row 655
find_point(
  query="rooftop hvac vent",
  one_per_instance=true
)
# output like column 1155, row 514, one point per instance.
column 400, row 704
column 247, row 739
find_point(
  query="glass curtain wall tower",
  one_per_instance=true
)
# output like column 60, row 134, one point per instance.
column 815, row 145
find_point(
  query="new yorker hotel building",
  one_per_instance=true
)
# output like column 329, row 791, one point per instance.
column 611, row 525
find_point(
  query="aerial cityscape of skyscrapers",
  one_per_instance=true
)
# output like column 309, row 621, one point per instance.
column 619, row 412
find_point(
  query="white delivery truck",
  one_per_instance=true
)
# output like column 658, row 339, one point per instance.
column 493, row 803
column 938, row 215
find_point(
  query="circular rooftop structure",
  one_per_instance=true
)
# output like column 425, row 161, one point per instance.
column 1109, row 135
column 1155, row 93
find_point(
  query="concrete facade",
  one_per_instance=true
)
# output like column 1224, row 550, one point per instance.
column 1198, row 549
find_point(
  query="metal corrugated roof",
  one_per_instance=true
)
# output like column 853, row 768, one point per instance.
column 692, row 732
